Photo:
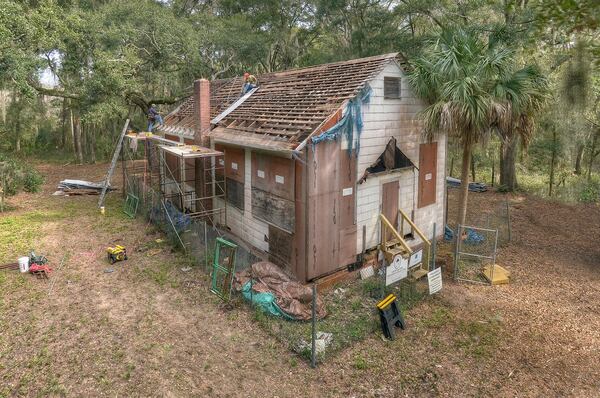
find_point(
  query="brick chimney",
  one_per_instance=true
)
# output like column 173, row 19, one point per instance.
column 202, row 110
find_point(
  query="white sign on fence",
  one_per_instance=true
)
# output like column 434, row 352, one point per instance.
column 416, row 258
column 397, row 270
column 435, row 280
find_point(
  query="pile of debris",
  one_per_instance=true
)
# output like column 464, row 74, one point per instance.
column 473, row 186
column 79, row 187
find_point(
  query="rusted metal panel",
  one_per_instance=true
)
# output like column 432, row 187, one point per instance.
column 427, row 173
column 273, row 174
column 280, row 247
column 389, row 201
column 273, row 209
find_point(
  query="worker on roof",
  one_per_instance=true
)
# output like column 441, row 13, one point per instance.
column 154, row 118
column 250, row 82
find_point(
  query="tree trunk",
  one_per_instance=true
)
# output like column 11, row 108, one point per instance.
column 63, row 136
column 77, row 136
column 552, row 164
column 464, row 185
column 593, row 155
column 92, row 131
column 493, row 170
column 508, row 160
column 473, row 178
column 72, row 129
column 578, row 158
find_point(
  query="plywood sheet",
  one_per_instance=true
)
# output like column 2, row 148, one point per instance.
column 273, row 174
column 427, row 173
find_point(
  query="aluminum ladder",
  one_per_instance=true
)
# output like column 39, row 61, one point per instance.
column 113, row 164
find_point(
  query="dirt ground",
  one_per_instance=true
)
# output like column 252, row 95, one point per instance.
column 150, row 329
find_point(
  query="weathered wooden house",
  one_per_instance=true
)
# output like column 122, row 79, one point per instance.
column 315, row 155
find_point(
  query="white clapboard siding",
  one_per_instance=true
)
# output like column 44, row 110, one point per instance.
column 384, row 118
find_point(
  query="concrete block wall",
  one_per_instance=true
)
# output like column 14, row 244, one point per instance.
column 385, row 118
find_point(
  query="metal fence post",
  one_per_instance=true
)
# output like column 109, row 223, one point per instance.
column 433, row 248
column 313, row 359
column 508, row 221
column 456, row 250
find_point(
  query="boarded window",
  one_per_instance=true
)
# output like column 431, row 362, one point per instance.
column 235, row 193
column 280, row 247
column 391, row 87
column 273, row 209
column 427, row 173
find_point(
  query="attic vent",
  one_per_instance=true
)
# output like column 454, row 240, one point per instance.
column 391, row 87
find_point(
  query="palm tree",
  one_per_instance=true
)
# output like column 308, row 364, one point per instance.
column 458, row 74
column 524, row 93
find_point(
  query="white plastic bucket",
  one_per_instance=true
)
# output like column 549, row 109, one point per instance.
column 24, row 264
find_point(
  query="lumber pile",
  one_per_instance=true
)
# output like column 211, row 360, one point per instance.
column 79, row 187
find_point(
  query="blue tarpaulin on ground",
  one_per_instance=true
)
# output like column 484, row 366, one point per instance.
column 264, row 301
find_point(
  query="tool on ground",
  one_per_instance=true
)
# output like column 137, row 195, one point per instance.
column 390, row 316
column 11, row 266
column 38, row 266
column 113, row 163
column 117, row 253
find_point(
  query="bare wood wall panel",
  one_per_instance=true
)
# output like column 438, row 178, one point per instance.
column 427, row 173
column 273, row 209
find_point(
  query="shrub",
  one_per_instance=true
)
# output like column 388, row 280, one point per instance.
column 590, row 192
column 32, row 181
column 18, row 176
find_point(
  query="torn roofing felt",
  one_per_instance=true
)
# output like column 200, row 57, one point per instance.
column 392, row 158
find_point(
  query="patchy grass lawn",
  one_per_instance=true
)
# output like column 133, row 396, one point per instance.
column 150, row 329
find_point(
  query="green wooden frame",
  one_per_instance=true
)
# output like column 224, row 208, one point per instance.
column 223, row 268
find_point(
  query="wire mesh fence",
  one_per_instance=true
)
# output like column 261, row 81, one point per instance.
column 475, row 253
column 351, row 306
column 484, row 210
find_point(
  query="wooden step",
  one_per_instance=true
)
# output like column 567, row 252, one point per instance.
column 392, row 252
column 418, row 273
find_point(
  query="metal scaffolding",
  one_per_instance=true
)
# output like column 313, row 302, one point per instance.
column 187, row 178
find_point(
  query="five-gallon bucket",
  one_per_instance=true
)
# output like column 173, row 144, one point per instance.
column 24, row 264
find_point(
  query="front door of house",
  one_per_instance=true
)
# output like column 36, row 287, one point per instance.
column 389, row 201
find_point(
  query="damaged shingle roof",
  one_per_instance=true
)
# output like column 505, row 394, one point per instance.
column 287, row 107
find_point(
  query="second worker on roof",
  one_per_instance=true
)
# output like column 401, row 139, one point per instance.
column 250, row 82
